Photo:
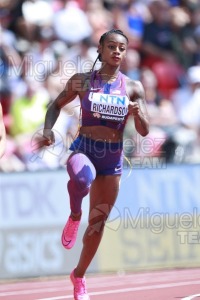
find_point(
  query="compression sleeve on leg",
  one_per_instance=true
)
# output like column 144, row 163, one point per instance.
column 81, row 172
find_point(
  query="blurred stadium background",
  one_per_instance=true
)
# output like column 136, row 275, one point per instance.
column 156, row 221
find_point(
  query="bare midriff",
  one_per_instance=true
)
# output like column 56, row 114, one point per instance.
column 103, row 133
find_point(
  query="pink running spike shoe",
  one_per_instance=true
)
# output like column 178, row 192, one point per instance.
column 80, row 291
column 70, row 233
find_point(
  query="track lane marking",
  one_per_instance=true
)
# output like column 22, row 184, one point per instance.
column 142, row 288
column 191, row 297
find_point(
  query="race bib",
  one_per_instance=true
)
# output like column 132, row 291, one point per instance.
column 109, row 107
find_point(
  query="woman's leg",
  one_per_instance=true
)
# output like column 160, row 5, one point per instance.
column 103, row 194
column 82, row 173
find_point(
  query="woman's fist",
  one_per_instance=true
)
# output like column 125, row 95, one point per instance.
column 48, row 137
column 133, row 108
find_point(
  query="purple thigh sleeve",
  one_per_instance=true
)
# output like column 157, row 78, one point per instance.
column 81, row 172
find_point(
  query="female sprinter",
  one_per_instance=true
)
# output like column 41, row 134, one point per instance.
column 107, row 99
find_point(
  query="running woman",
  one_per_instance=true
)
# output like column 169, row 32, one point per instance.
column 107, row 98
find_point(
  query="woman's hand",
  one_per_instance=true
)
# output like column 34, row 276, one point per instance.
column 134, row 108
column 41, row 140
column 48, row 137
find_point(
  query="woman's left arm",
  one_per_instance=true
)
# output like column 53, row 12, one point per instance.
column 137, row 107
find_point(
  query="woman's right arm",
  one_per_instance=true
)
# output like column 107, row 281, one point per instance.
column 66, row 96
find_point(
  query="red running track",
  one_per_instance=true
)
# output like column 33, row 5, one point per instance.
column 181, row 284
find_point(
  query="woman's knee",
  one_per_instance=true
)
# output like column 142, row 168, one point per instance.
column 97, row 220
column 81, row 171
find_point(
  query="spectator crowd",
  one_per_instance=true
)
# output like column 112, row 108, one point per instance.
column 44, row 42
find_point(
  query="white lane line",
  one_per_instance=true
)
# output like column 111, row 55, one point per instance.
column 141, row 288
column 35, row 291
column 191, row 297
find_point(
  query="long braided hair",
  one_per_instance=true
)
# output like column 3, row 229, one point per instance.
column 102, row 39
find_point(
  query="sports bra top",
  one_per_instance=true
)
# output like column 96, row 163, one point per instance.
column 105, row 104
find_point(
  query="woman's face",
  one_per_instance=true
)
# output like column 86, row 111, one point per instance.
column 113, row 49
